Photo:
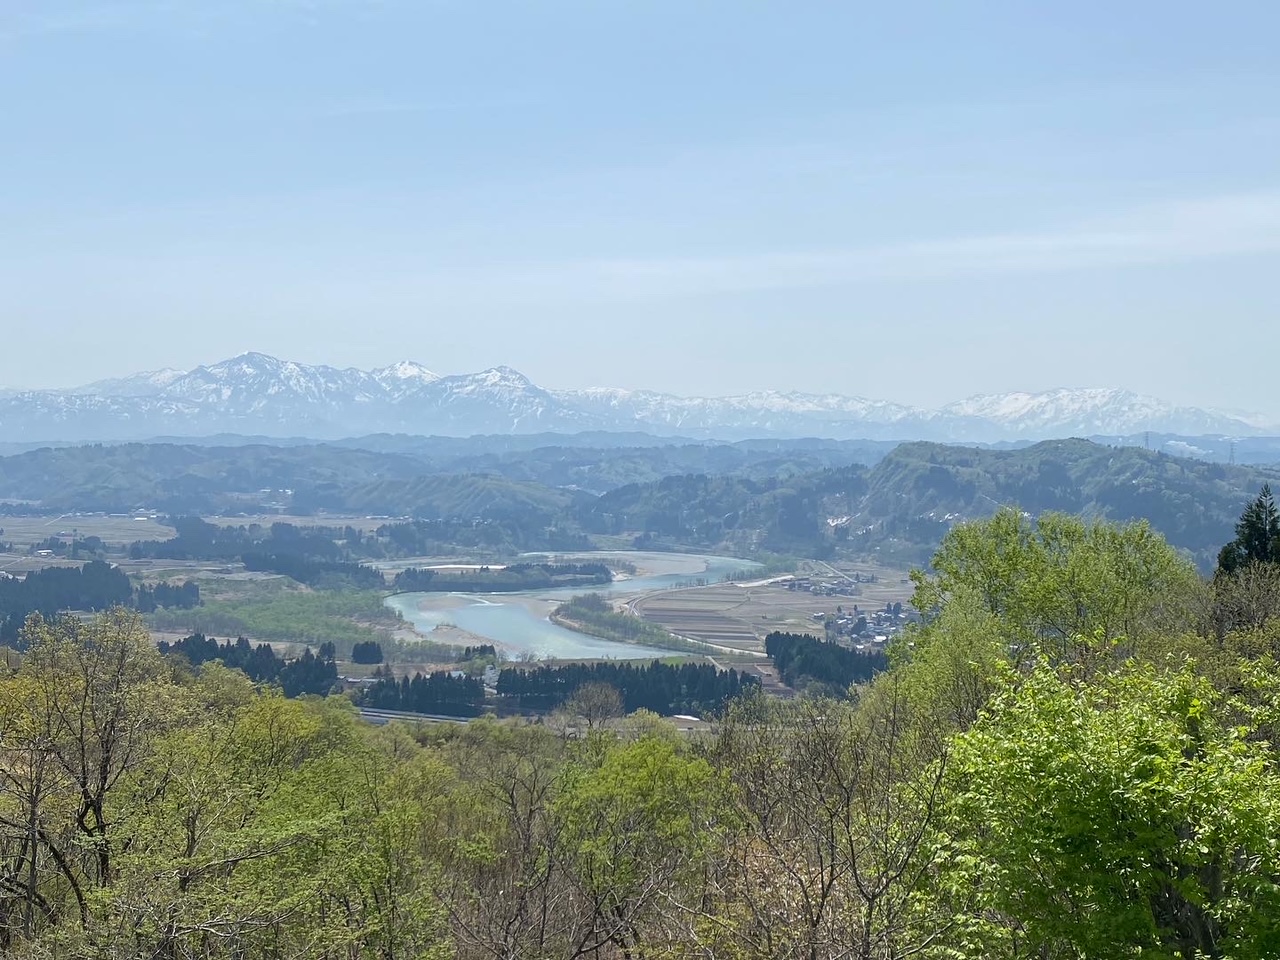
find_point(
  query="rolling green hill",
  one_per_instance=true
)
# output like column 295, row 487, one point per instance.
column 921, row 489
column 747, row 501
column 901, row 507
column 184, row 478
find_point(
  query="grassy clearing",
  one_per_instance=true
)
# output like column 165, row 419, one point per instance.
column 282, row 611
column 113, row 531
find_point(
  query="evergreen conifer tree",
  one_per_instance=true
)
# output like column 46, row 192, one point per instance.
column 1257, row 535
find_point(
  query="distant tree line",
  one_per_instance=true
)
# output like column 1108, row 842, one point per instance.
column 149, row 598
column 663, row 688
column 802, row 659
column 316, row 573
column 310, row 673
column 518, row 576
column 316, row 556
column 438, row 692
column 197, row 539
column 509, row 533
column 94, row 586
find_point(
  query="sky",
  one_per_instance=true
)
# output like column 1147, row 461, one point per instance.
column 910, row 201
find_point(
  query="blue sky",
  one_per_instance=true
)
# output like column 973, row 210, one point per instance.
column 911, row 201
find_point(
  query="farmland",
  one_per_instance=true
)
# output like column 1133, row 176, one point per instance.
column 739, row 615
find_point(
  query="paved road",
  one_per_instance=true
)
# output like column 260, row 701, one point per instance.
column 386, row 716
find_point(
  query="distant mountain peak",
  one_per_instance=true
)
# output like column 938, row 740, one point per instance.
column 250, row 360
column 1084, row 411
column 406, row 370
column 256, row 393
column 500, row 377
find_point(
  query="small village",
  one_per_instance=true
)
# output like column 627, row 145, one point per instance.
column 861, row 625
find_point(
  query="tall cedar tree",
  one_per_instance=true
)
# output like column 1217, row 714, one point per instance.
column 1257, row 535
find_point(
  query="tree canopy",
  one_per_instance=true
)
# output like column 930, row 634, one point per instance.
column 1066, row 759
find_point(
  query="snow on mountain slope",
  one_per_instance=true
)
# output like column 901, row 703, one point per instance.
column 49, row 416
column 764, row 412
column 146, row 384
column 259, row 394
column 1089, row 412
column 403, row 378
column 255, row 381
column 499, row 400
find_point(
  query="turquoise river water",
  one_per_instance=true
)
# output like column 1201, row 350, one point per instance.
column 519, row 621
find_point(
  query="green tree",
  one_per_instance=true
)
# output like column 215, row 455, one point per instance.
column 1062, row 589
column 1257, row 535
column 1134, row 815
column 640, row 833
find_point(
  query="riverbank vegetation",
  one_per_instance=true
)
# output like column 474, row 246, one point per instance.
column 503, row 579
column 594, row 615
column 277, row 610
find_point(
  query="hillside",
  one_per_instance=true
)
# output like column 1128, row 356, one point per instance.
column 901, row 507
column 744, row 499
column 923, row 485
column 185, row 478
column 360, row 474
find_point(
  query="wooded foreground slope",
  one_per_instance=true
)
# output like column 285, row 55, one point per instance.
column 1074, row 756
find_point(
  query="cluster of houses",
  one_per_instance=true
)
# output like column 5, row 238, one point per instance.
column 865, row 628
column 829, row 586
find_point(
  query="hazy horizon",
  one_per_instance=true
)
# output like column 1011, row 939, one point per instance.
column 1267, row 413
column 899, row 203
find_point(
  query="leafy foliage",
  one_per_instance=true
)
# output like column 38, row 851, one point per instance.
column 1134, row 815
column 1059, row 587
column 1066, row 759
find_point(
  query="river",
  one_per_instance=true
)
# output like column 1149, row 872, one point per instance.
column 519, row 621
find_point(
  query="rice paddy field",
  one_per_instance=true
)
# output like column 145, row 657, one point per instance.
column 739, row 616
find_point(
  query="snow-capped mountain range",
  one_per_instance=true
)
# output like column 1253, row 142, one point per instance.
column 255, row 394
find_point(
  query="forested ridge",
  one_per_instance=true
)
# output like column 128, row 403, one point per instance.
column 204, row 478
column 1073, row 755
column 815, row 500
